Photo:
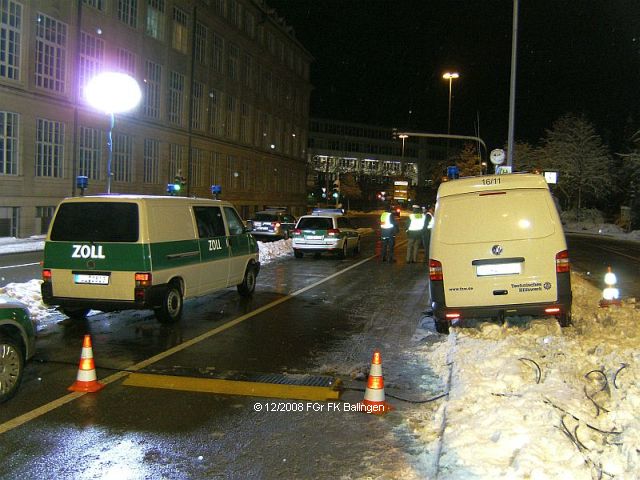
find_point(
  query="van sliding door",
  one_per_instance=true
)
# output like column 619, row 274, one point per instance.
column 214, row 250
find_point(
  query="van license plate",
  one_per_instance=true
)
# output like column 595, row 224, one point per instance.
column 91, row 279
column 498, row 269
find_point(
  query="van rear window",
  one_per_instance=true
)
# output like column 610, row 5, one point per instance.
column 514, row 215
column 96, row 222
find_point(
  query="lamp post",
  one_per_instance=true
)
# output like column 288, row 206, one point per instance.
column 450, row 76
column 403, row 137
column 111, row 93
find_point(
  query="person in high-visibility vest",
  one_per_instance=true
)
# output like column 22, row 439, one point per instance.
column 388, row 230
column 426, row 232
column 414, row 233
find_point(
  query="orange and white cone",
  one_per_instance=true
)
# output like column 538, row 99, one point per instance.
column 86, row 381
column 374, row 394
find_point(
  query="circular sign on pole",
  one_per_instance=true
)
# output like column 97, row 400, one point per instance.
column 497, row 156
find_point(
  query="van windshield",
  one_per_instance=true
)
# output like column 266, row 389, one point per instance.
column 96, row 222
column 509, row 215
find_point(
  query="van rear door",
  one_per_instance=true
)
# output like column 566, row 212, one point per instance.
column 498, row 247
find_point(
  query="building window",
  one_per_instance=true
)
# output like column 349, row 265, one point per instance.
column 249, row 24
column 155, row 19
column 197, row 108
column 45, row 214
column 97, row 4
column 218, row 53
column 197, row 161
column 128, row 12
column 245, row 123
column 176, row 98
column 232, row 61
column 51, row 49
column 267, row 85
column 91, row 57
column 230, row 123
column 176, row 157
column 49, row 148
column 151, row 161
column 90, row 150
column 201, row 43
column 10, row 37
column 218, row 7
column 127, row 61
column 180, row 39
column 152, row 79
column 234, row 13
column 216, row 113
column 122, row 157
column 9, row 143
column 247, row 69
column 9, row 221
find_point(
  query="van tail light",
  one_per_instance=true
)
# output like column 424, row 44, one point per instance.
column 143, row 281
column 562, row 262
column 452, row 315
column 435, row 270
column 332, row 232
column 46, row 275
column 552, row 310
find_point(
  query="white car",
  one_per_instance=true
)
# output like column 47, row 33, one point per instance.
column 325, row 231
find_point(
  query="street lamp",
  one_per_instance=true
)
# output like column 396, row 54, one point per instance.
column 403, row 137
column 111, row 93
column 450, row 76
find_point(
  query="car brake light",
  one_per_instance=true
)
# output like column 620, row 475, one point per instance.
column 46, row 275
column 143, row 279
column 333, row 231
column 275, row 224
column 562, row 262
column 435, row 270
column 297, row 231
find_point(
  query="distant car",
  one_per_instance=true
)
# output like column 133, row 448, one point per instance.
column 272, row 223
column 325, row 232
column 17, row 345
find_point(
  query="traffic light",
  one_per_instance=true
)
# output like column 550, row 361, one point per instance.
column 180, row 181
column 394, row 133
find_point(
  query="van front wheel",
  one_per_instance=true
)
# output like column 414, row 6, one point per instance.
column 248, row 284
column 171, row 309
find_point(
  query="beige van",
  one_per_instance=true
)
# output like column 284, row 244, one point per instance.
column 498, row 249
column 118, row 252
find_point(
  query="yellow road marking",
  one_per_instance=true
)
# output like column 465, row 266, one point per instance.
column 233, row 387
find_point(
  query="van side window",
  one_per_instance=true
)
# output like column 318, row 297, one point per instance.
column 236, row 227
column 209, row 221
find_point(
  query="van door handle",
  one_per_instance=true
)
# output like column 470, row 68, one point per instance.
column 500, row 292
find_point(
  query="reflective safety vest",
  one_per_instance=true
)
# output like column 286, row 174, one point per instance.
column 431, row 219
column 385, row 220
column 416, row 222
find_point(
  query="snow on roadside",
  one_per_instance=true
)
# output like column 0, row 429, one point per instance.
column 531, row 400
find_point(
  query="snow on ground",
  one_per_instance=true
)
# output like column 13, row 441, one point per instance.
column 527, row 400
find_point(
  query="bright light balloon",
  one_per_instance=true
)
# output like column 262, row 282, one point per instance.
column 113, row 92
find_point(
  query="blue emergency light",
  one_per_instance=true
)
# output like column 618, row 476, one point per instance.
column 216, row 189
column 173, row 188
column 453, row 172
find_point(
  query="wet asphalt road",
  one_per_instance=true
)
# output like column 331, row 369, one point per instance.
column 132, row 432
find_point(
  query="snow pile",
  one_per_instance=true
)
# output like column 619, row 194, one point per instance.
column 532, row 400
column 20, row 245
column 270, row 251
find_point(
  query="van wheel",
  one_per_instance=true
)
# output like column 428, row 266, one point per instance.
column 171, row 309
column 565, row 319
column 248, row 284
column 11, row 367
column 76, row 313
column 442, row 327
column 297, row 254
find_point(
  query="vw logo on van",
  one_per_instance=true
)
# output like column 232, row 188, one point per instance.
column 496, row 249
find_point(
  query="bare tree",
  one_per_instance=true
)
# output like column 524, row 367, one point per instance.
column 575, row 150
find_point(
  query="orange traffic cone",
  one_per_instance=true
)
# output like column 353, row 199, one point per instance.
column 374, row 394
column 86, row 380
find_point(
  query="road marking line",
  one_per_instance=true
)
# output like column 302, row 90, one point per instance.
column 233, row 387
column 33, row 414
column 21, row 265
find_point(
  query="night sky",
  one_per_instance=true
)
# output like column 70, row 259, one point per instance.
column 377, row 60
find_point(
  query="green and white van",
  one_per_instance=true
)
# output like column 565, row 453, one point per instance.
column 498, row 249
column 118, row 252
